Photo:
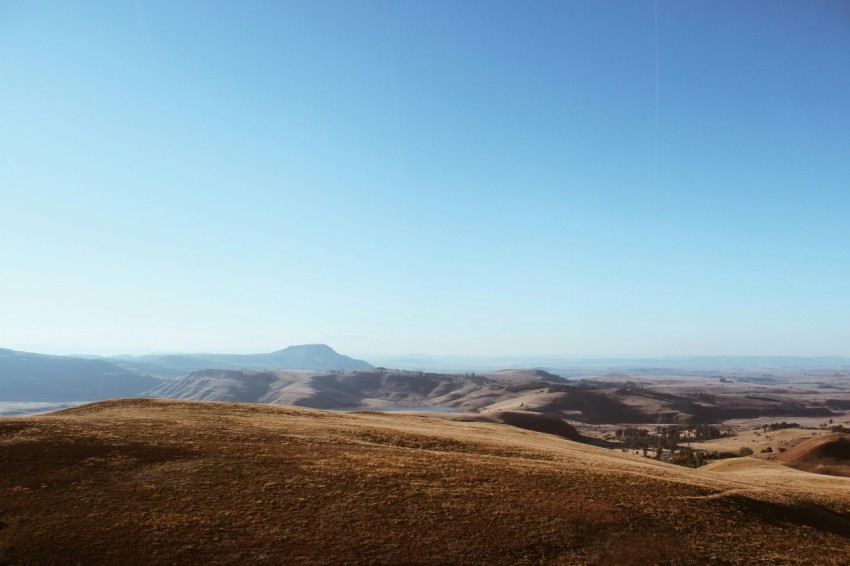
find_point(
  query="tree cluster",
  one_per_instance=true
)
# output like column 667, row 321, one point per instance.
column 779, row 426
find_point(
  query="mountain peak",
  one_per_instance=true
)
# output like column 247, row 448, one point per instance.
column 314, row 348
column 314, row 356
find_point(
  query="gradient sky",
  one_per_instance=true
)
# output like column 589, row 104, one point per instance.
column 447, row 177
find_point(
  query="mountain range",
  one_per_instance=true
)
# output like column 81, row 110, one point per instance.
column 36, row 377
column 576, row 367
column 305, row 356
column 30, row 377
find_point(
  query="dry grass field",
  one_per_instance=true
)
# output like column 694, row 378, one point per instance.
column 154, row 482
column 757, row 440
column 828, row 454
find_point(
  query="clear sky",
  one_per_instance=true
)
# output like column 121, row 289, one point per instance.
column 447, row 177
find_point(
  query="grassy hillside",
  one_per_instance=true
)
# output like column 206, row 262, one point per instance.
column 822, row 455
column 170, row 481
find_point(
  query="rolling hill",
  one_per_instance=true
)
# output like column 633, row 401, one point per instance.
column 336, row 390
column 155, row 482
column 353, row 389
column 514, row 390
column 821, row 455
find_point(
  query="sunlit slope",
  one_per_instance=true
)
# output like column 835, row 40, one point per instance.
column 169, row 481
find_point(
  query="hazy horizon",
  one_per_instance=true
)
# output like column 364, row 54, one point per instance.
column 375, row 355
column 567, row 179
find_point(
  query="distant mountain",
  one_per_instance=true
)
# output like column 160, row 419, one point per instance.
column 521, row 375
column 311, row 356
column 308, row 356
column 36, row 377
column 146, row 368
column 584, row 367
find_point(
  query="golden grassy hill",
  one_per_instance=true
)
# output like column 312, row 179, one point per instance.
column 145, row 481
column 822, row 455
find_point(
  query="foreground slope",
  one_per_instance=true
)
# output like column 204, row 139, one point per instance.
column 168, row 481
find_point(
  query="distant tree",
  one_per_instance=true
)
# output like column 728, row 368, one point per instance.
column 706, row 432
column 745, row 451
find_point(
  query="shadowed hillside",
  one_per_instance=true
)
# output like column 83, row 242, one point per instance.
column 536, row 422
column 822, row 455
column 155, row 482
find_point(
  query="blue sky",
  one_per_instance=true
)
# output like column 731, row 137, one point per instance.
column 482, row 178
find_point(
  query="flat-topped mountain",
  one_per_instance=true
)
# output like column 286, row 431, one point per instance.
column 306, row 356
column 30, row 377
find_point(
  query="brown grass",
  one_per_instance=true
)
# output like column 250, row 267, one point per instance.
column 821, row 455
column 143, row 481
